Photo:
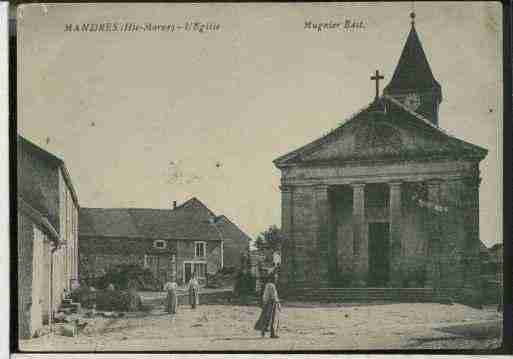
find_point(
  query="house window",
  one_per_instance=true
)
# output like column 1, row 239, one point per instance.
column 194, row 268
column 199, row 249
column 200, row 269
column 159, row 244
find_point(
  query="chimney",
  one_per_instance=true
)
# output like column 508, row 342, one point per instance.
column 174, row 204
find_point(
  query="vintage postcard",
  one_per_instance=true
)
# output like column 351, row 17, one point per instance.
column 259, row 176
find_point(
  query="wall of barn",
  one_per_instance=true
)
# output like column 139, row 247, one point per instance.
column 62, row 213
column 38, row 279
column 235, row 243
column 25, row 265
column 32, row 170
column 99, row 254
column 34, row 277
column 68, row 228
column 58, row 277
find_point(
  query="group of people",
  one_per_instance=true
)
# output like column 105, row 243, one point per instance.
column 268, row 320
column 172, row 296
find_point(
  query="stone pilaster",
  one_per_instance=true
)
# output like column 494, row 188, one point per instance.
column 433, row 231
column 471, row 229
column 360, row 240
column 452, row 244
column 395, row 235
column 321, row 213
column 287, row 267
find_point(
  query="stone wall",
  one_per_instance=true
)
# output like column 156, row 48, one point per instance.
column 233, row 251
column 213, row 256
column 68, row 219
column 59, row 280
column 38, row 280
column 25, row 266
column 304, row 236
column 45, row 267
column 342, row 202
column 205, row 298
column 288, row 267
column 35, row 280
column 98, row 254
column 460, row 256
column 42, row 180
column 414, row 248
column 235, row 243
column 34, row 171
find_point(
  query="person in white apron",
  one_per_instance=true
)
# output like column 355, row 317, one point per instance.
column 194, row 292
column 172, row 297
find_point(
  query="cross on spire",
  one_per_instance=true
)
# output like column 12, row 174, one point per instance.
column 376, row 78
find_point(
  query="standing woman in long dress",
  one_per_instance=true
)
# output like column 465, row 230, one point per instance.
column 172, row 298
column 269, row 317
column 193, row 292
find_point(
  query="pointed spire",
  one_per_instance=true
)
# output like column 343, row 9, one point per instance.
column 413, row 75
column 413, row 71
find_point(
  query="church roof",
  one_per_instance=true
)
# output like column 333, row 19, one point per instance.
column 383, row 130
column 412, row 70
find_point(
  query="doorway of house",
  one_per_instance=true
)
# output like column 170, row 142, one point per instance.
column 187, row 272
column 379, row 254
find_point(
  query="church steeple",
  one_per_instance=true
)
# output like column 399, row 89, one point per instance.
column 413, row 82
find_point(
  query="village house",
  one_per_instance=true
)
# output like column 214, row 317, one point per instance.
column 388, row 199
column 236, row 242
column 47, row 236
column 173, row 243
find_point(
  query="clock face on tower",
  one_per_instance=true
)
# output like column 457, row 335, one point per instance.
column 412, row 101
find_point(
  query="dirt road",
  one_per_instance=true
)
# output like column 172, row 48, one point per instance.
column 302, row 327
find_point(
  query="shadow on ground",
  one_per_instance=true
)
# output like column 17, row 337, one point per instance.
column 484, row 330
column 331, row 305
column 482, row 335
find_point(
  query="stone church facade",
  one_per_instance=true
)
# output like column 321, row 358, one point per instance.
column 388, row 199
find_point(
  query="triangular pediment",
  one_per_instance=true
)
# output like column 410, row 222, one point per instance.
column 395, row 134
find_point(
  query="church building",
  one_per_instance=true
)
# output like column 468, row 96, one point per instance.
column 388, row 199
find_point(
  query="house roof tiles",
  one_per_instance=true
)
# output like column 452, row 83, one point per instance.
column 191, row 220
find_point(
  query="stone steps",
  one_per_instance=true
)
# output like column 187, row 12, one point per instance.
column 354, row 295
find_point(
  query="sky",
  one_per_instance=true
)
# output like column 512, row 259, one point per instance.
column 143, row 119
